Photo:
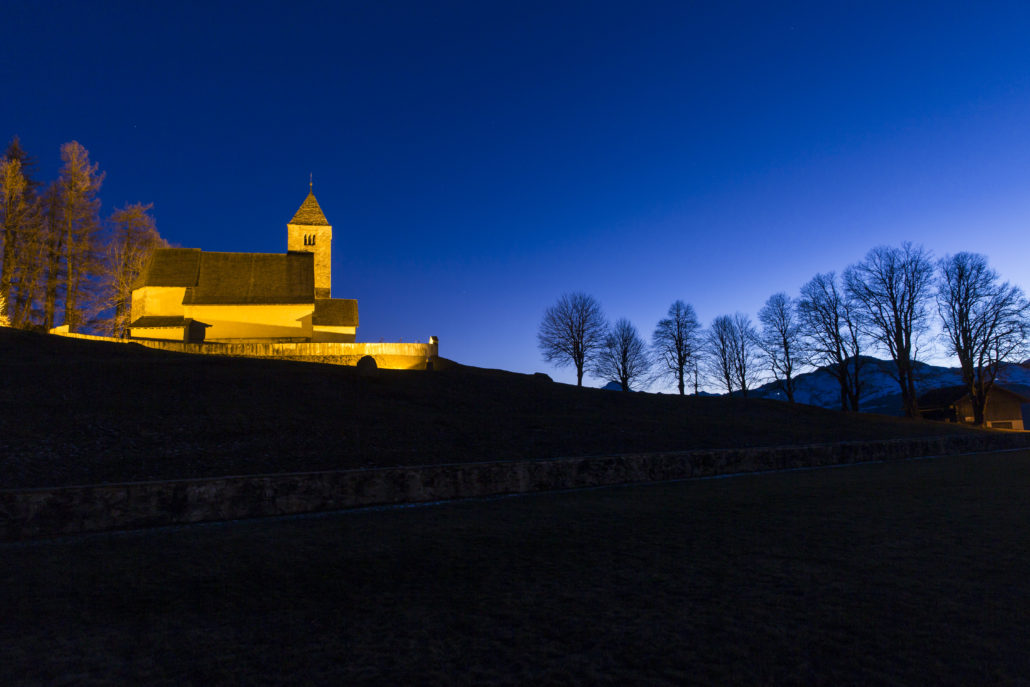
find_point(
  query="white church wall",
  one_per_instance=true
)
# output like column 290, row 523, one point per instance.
column 253, row 321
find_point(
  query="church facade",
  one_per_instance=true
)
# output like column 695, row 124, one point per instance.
column 194, row 296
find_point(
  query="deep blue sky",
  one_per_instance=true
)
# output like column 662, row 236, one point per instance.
column 479, row 159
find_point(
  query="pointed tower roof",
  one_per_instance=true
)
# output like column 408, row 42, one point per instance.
column 310, row 213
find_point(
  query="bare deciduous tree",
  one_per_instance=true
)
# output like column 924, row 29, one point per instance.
column 733, row 352
column 623, row 357
column 780, row 341
column 719, row 350
column 133, row 240
column 985, row 322
column 893, row 287
column 676, row 343
column 747, row 356
column 572, row 332
column 832, row 337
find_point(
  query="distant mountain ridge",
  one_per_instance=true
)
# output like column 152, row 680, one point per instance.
column 880, row 392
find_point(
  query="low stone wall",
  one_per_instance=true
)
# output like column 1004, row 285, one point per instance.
column 68, row 510
column 391, row 356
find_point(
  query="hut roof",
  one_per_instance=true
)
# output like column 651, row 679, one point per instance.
column 950, row 395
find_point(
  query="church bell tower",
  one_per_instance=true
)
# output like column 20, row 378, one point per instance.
column 310, row 232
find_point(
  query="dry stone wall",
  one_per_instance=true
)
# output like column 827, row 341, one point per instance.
column 69, row 510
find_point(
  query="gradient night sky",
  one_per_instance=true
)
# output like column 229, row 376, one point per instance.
column 477, row 160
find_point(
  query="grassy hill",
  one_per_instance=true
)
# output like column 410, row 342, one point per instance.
column 81, row 412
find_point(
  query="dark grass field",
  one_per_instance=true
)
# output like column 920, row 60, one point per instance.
column 84, row 412
column 901, row 573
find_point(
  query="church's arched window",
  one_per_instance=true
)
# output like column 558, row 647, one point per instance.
column 309, row 239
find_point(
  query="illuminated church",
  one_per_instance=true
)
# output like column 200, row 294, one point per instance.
column 191, row 295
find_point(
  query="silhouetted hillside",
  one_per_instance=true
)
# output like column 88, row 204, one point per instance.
column 74, row 411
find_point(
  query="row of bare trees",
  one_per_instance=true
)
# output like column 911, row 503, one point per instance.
column 887, row 303
column 61, row 262
column 884, row 303
column 576, row 332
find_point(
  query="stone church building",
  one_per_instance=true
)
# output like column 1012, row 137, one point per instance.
column 193, row 296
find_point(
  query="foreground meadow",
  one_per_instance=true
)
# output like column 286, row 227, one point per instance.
column 903, row 573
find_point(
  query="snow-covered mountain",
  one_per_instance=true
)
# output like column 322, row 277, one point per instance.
column 880, row 393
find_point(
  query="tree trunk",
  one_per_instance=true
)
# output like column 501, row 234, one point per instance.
column 50, row 306
column 52, row 280
column 913, row 400
column 978, row 397
column 908, row 400
column 842, row 378
column 72, row 279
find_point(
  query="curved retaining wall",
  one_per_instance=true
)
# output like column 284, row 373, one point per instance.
column 68, row 510
column 391, row 356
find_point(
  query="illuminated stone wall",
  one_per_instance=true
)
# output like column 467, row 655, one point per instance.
column 390, row 356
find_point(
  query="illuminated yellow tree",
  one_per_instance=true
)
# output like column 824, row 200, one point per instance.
column 14, row 215
column 52, row 239
column 79, row 184
column 22, row 265
column 133, row 241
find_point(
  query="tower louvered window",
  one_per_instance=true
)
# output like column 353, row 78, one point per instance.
column 309, row 239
